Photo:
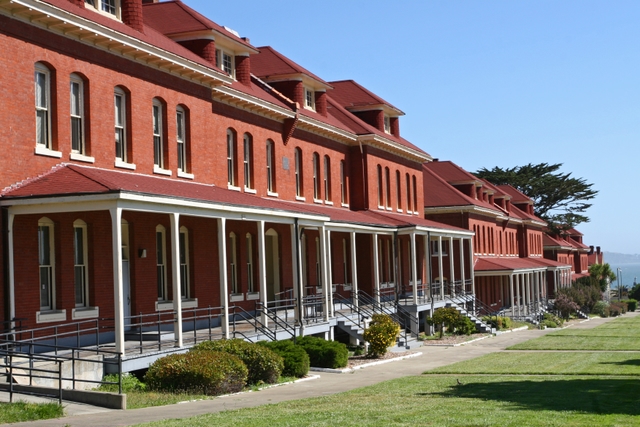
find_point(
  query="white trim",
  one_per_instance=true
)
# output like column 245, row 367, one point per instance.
column 160, row 171
column 82, row 158
column 301, row 199
column 85, row 313
column 190, row 303
column 233, row 188
column 51, row 316
column 41, row 150
column 124, row 165
column 186, row 175
column 272, row 194
column 164, row 305
column 253, row 296
column 237, row 297
column 250, row 190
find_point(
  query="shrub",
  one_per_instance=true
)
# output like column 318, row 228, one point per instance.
column 617, row 308
column 565, row 305
column 129, row 383
column 199, row 372
column 600, row 308
column 465, row 326
column 499, row 323
column 263, row 364
column 445, row 317
column 632, row 304
column 549, row 323
column 296, row 360
column 553, row 318
column 323, row 353
column 381, row 334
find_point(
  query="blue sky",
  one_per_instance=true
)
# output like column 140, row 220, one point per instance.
column 485, row 83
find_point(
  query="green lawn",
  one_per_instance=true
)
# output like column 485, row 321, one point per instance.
column 23, row 411
column 432, row 400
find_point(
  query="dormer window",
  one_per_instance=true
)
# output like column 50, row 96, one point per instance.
column 387, row 124
column 309, row 99
column 107, row 7
column 224, row 61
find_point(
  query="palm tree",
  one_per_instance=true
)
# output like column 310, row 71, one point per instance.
column 602, row 274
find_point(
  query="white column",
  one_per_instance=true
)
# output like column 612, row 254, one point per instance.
column 326, row 286
column 12, row 280
column 224, row 283
column 452, row 273
column 518, row 294
column 414, row 268
column 440, row 267
column 262, row 270
column 175, row 269
column 376, row 269
column 473, row 277
column 463, row 276
column 511, row 296
column 118, row 291
column 354, row 270
column 329, row 267
column 426, row 285
column 297, row 289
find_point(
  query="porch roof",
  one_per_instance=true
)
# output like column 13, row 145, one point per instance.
column 514, row 264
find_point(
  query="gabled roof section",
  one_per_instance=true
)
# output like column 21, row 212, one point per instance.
column 516, row 195
column 452, row 173
column 354, row 97
column 555, row 242
column 174, row 19
column 270, row 65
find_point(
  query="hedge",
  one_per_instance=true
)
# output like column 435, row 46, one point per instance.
column 324, row 354
column 296, row 360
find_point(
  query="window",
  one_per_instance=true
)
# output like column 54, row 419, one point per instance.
column 435, row 246
column 271, row 173
column 398, row 191
column 327, row 178
column 80, row 271
column 248, row 161
column 184, row 263
column 249, row 263
column 309, row 99
column 409, row 194
column 231, row 153
column 318, row 264
column 158, row 140
column 298, row 165
column 316, row 176
column 161, row 263
column 415, row 194
column 77, row 115
column 387, row 124
column 46, row 262
column 120, row 103
column 181, row 138
column 343, row 187
column 43, row 106
column 224, row 61
column 233, row 272
column 110, row 7
column 380, row 187
column 387, row 183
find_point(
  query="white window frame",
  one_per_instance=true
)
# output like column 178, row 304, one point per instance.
column 103, row 6
column 250, row 284
column 309, row 99
column 225, row 60
column 76, row 112
column 398, row 191
column 327, row 179
column 387, row 186
column 233, row 264
column 42, row 82
column 298, row 171
column 343, row 187
column 380, row 187
column 47, row 264
column 120, row 124
column 80, row 264
column 161, row 262
column 158, row 134
column 185, row 289
column 247, row 142
column 387, row 124
column 316, row 177
column 271, row 178
column 409, row 204
column 231, row 158
column 181, row 139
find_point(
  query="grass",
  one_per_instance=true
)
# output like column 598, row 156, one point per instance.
column 439, row 401
column 23, row 411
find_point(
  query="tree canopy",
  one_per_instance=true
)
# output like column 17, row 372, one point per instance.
column 559, row 198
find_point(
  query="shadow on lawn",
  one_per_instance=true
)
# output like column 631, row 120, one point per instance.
column 598, row 396
column 630, row 362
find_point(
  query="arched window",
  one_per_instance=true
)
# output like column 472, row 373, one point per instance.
column 231, row 157
column 248, row 161
column 43, row 83
column 182, row 127
column 298, row 166
column 409, row 205
column 120, row 106
column 387, row 184
column 233, row 264
column 80, row 264
column 158, row 134
column 316, row 176
column 46, row 262
column 380, row 187
column 161, row 262
column 327, row 179
column 185, row 289
column 271, row 167
column 249, row 243
column 398, row 191
column 415, row 195
column 343, row 184
column 76, row 112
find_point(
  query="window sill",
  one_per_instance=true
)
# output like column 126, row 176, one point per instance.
column 125, row 165
column 82, row 158
column 232, row 187
column 318, row 201
column 345, row 205
column 164, row 305
column 85, row 312
column 400, row 210
column 347, row 287
column 253, row 296
column 250, row 190
column 157, row 169
column 327, row 202
column 41, row 150
column 190, row 303
column 182, row 174
column 301, row 199
column 272, row 194
column 51, row 316
column 236, row 297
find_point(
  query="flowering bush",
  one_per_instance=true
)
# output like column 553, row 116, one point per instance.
column 565, row 305
column 381, row 334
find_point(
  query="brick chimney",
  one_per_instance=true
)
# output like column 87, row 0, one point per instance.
column 321, row 103
column 204, row 48
column 395, row 126
column 243, row 70
column 132, row 14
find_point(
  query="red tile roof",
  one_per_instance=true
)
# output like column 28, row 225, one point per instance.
column 350, row 94
column 516, row 195
column 510, row 264
column 269, row 62
column 451, row 172
column 175, row 17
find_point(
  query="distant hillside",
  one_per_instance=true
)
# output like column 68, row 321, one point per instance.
column 619, row 259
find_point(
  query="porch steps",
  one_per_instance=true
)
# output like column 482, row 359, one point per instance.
column 480, row 325
column 353, row 330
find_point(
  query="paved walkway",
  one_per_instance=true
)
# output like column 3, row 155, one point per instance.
column 327, row 384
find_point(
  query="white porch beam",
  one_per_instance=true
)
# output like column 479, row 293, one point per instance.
column 175, row 270
column 118, row 292
column 354, row 269
column 224, row 286
column 414, row 268
column 376, row 269
column 262, row 270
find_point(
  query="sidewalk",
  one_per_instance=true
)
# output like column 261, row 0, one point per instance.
column 327, row 384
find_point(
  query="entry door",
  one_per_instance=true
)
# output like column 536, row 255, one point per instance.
column 272, row 268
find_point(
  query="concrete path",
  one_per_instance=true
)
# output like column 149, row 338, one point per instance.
column 327, row 384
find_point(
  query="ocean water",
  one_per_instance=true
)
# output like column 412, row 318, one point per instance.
column 630, row 274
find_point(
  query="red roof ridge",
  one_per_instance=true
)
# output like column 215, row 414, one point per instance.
column 31, row 179
column 81, row 171
column 274, row 92
column 289, row 62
